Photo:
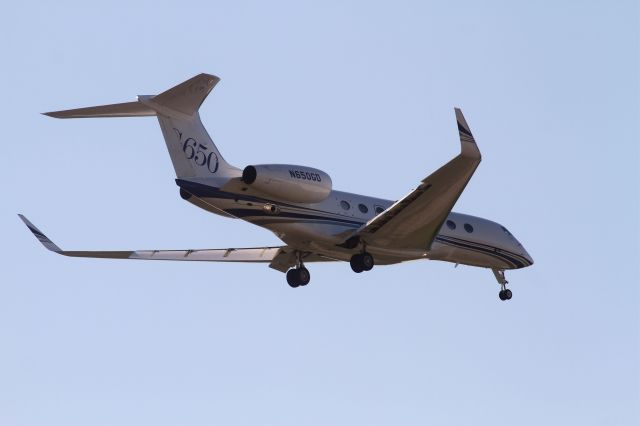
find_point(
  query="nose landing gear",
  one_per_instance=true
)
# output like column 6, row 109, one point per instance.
column 505, row 293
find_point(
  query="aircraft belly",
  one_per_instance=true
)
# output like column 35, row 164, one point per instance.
column 289, row 224
column 298, row 232
column 211, row 205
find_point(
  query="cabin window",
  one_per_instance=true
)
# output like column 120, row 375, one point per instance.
column 379, row 209
column 345, row 205
column 468, row 228
column 451, row 225
column 363, row 208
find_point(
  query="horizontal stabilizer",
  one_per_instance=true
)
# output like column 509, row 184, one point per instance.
column 126, row 109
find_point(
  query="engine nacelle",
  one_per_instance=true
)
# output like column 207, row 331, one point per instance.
column 296, row 184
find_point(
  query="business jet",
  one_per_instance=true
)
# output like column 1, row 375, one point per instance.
column 299, row 205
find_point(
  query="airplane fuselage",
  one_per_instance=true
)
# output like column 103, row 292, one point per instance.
column 321, row 227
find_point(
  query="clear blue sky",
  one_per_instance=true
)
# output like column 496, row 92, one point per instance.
column 365, row 91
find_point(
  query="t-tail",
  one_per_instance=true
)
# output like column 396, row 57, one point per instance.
column 193, row 153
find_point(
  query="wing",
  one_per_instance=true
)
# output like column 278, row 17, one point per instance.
column 414, row 221
column 251, row 255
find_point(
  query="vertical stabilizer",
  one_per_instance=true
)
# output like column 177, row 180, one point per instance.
column 192, row 151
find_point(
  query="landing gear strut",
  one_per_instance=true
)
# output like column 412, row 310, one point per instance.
column 505, row 293
column 298, row 276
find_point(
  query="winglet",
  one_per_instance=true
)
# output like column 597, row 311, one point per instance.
column 467, row 142
column 40, row 236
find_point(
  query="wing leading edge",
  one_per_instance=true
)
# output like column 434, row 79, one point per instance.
column 271, row 255
column 414, row 220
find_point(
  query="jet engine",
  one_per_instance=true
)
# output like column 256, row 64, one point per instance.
column 284, row 182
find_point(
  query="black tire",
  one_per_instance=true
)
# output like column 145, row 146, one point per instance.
column 502, row 295
column 303, row 276
column 508, row 294
column 292, row 278
column 367, row 261
column 356, row 263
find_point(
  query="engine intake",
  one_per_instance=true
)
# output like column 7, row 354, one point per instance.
column 249, row 175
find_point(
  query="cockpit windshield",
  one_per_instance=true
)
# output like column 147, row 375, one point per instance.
column 510, row 235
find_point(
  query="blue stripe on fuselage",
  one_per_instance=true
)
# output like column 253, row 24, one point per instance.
column 245, row 213
column 206, row 191
column 507, row 256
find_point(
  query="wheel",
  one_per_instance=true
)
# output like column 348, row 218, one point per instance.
column 507, row 294
column 303, row 276
column 292, row 278
column 502, row 295
column 356, row 263
column 367, row 261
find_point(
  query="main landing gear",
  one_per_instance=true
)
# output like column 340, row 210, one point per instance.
column 298, row 276
column 361, row 262
column 505, row 293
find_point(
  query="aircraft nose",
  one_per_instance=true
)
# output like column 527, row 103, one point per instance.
column 527, row 256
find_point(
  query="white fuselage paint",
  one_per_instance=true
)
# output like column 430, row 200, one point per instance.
column 319, row 227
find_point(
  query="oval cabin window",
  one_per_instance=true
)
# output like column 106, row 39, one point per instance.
column 468, row 228
column 363, row 208
column 451, row 225
column 345, row 205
